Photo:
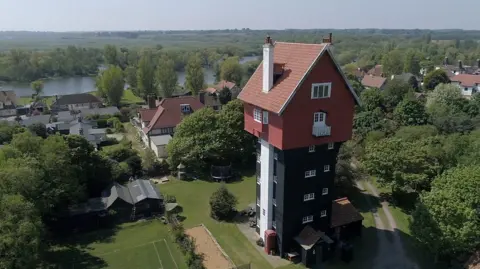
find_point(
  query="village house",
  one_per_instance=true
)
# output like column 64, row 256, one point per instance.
column 86, row 129
column 8, row 101
column 210, row 96
column 162, row 120
column 377, row 71
column 371, row 81
column 300, row 106
column 468, row 84
column 75, row 102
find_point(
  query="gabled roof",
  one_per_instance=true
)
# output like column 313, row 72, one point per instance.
column 298, row 59
column 147, row 114
column 373, row 81
column 8, row 96
column 377, row 70
column 169, row 114
column 78, row 98
column 343, row 212
column 466, row 80
column 220, row 85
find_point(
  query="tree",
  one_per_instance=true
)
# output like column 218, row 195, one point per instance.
column 225, row 96
column 231, row 70
column 110, row 54
column 222, row 203
column 413, row 82
column 392, row 63
column 111, row 84
column 371, row 99
column 368, row 121
column 194, row 79
column 167, row 77
column 22, row 232
column 146, row 76
column 435, row 78
column 415, row 133
column 130, row 74
column 38, row 129
column 37, row 87
column 445, row 96
column 412, row 62
column 410, row 112
column 446, row 221
column 394, row 92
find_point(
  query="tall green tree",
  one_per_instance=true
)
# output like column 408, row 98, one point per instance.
column 22, row 232
column 371, row 99
column 112, row 84
column 412, row 62
column 434, row 78
column 447, row 221
column 410, row 112
column 110, row 53
column 146, row 76
column 395, row 91
column 167, row 78
column 194, row 80
column 393, row 63
column 231, row 70
column 131, row 77
column 222, row 203
column 37, row 87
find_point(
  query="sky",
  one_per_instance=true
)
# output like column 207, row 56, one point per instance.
column 128, row 15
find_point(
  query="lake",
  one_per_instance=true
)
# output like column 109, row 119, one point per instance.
column 63, row 86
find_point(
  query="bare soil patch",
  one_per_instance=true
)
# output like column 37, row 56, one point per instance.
column 205, row 244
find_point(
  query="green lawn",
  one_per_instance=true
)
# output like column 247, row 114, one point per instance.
column 134, row 245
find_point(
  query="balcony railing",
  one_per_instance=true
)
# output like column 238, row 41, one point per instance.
column 321, row 130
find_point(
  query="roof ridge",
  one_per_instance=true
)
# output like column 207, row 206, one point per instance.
column 300, row 43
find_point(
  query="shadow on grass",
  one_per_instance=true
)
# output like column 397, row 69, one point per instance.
column 73, row 257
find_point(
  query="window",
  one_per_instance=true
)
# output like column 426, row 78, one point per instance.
column 310, row 173
column 311, row 149
column 324, row 191
column 275, row 156
column 257, row 114
column 275, row 179
column 321, row 90
column 319, row 118
column 258, row 201
column 331, row 145
column 323, row 213
column 258, row 180
column 307, row 219
column 326, row 168
column 308, row 197
column 274, row 202
column 258, row 157
column 265, row 117
column 263, row 212
column 274, row 224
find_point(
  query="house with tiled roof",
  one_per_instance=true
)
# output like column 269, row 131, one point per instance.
column 8, row 101
column 76, row 102
column 210, row 96
column 371, row 81
column 468, row 84
column 300, row 107
column 377, row 71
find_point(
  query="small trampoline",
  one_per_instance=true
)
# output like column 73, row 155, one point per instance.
column 221, row 172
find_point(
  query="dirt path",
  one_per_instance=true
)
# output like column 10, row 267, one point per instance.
column 391, row 254
column 213, row 256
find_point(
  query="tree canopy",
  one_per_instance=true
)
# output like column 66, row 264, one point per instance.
column 111, row 84
column 194, row 79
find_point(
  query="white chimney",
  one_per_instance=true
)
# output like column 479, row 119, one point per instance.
column 267, row 65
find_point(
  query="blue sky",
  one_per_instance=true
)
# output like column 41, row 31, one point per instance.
column 94, row 15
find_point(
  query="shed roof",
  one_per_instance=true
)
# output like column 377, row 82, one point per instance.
column 373, row 81
column 160, row 140
column 343, row 212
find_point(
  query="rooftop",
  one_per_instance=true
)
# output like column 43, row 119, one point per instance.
column 466, row 80
column 373, row 81
column 343, row 212
column 160, row 140
column 78, row 98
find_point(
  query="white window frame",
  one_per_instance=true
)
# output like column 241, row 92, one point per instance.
column 257, row 115
column 323, row 213
column 326, row 168
column 310, row 173
column 258, row 157
column 311, row 148
column 265, row 117
column 307, row 219
column 319, row 118
column 331, row 145
column 324, row 191
column 321, row 90
column 309, row 197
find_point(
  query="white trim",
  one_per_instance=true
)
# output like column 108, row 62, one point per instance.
column 310, row 173
column 320, row 120
column 311, row 148
column 324, row 191
column 331, row 145
column 323, row 213
column 327, row 84
column 326, row 168
column 255, row 111
column 307, row 219
column 309, row 197
column 300, row 82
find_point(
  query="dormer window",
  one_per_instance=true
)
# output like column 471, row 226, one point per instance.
column 185, row 108
column 321, row 90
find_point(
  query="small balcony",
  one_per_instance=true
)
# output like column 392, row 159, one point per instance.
column 321, row 130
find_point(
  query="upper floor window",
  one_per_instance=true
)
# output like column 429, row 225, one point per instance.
column 310, row 173
column 265, row 117
column 309, row 196
column 319, row 118
column 307, row 219
column 324, row 191
column 331, row 145
column 257, row 114
column 326, row 168
column 323, row 213
column 311, row 149
column 321, row 90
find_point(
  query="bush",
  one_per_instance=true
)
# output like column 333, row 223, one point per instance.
column 170, row 199
column 260, row 242
column 222, row 204
column 109, row 131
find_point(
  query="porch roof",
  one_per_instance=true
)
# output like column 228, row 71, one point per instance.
column 343, row 213
column 308, row 237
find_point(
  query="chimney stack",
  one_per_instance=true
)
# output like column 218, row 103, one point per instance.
column 328, row 40
column 151, row 101
column 460, row 64
column 267, row 64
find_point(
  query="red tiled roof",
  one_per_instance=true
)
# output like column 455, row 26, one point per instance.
column 343, row 212
column 168, row 113
column 376, row 71
column 373, row 81
column 147, row 114
column 220, row 85
column 466, row 80
column 298, row 59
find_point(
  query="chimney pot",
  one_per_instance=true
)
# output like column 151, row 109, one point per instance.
column 268, row 48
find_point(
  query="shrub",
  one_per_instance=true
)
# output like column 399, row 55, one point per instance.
column 109, row 131
column 260, row 242
column 170, row 199
column 222, row 204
